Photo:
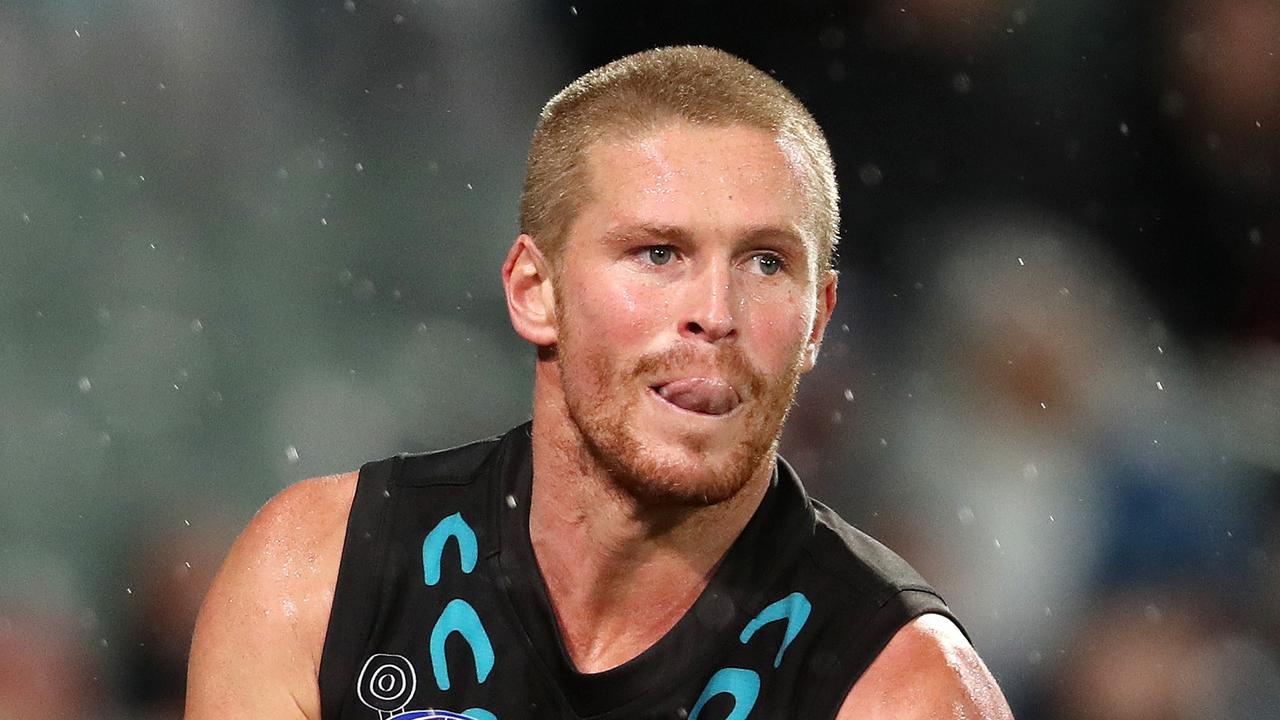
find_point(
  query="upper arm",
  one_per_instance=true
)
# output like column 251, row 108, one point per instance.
column 260, row 633
column 927, row 671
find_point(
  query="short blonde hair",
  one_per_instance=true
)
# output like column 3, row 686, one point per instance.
column 644, row 92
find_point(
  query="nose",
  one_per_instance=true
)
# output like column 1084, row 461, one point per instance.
column 710, row 305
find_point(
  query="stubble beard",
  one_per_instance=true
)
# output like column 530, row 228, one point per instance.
column 599, row 407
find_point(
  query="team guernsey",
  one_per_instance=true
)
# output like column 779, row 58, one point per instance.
column 440, row 610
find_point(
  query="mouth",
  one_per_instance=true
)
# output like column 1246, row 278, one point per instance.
column 702, row 396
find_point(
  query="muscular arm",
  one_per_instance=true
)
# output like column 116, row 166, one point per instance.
column 928, row 671
column 258, row 640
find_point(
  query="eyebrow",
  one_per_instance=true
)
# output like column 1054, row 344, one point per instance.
column 677, row 235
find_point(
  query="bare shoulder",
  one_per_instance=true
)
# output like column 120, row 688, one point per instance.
column 259, row 637
column 928, row 670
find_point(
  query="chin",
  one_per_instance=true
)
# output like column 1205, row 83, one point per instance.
column 685, row 471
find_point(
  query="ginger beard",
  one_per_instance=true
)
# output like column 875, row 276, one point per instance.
column 602, row 397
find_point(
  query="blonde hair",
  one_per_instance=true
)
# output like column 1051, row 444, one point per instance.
column 644, row 92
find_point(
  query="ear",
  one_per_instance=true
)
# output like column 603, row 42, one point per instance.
column 826, row 305
column 526, row 279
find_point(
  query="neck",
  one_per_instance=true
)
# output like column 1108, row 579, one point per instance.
column 619, row 573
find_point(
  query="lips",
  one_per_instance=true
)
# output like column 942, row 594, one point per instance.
column 706, row 396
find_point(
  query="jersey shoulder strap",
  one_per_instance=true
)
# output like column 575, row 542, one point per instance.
column 363, row 583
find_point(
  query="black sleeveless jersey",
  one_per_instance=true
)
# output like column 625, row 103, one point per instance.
column 440, row 610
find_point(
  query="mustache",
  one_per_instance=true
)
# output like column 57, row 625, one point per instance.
column 728, row 360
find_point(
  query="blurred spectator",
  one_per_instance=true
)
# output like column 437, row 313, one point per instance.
column 46, row 667
column 172, row 571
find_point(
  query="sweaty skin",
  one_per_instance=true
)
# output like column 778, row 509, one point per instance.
column 688, row 294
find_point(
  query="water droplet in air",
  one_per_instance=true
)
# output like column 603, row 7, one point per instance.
column 84, row 385
column 573, row 10
column 1159, row 385
column 870, row 174
column 511, row 501
column 848, row 394
column 349, row 6
column 1124, row 129
column 196, row 325
column 291, row 454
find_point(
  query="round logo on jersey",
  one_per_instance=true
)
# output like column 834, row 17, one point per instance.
column 431, row 715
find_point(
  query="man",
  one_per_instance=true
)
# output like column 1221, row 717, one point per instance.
column 638, row 551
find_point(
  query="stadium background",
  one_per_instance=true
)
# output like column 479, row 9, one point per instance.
column 243, row 243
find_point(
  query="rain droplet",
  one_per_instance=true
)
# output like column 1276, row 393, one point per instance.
column 961, row 83
column 129, row 590
column 77, row 32
column 359, row 167
column 291, row 454
column 870, row 174
column 1255, row 235
column 965, row 514
column 196, row 325
column 84, row 384
column 26, row 218
column 1159, row 385
column 848, row 394
column 1030, row 471
column 1021, row 262
column 511, row 501
column 469, row 186
column 96, row 174
column 1043, row 406
column 1124, row 129
column 349, row 6
column 573, row 10
column 324, row 221
column 398, row 19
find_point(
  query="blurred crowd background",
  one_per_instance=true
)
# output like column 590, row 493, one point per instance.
column 243, row 243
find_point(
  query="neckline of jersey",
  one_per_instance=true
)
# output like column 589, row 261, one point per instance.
column 736, row 591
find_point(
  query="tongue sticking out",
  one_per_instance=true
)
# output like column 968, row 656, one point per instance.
column 701, row 395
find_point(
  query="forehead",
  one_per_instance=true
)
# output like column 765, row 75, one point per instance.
column 700, row 175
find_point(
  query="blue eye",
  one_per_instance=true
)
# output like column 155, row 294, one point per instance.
column 659, row 254
column 768, row 263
